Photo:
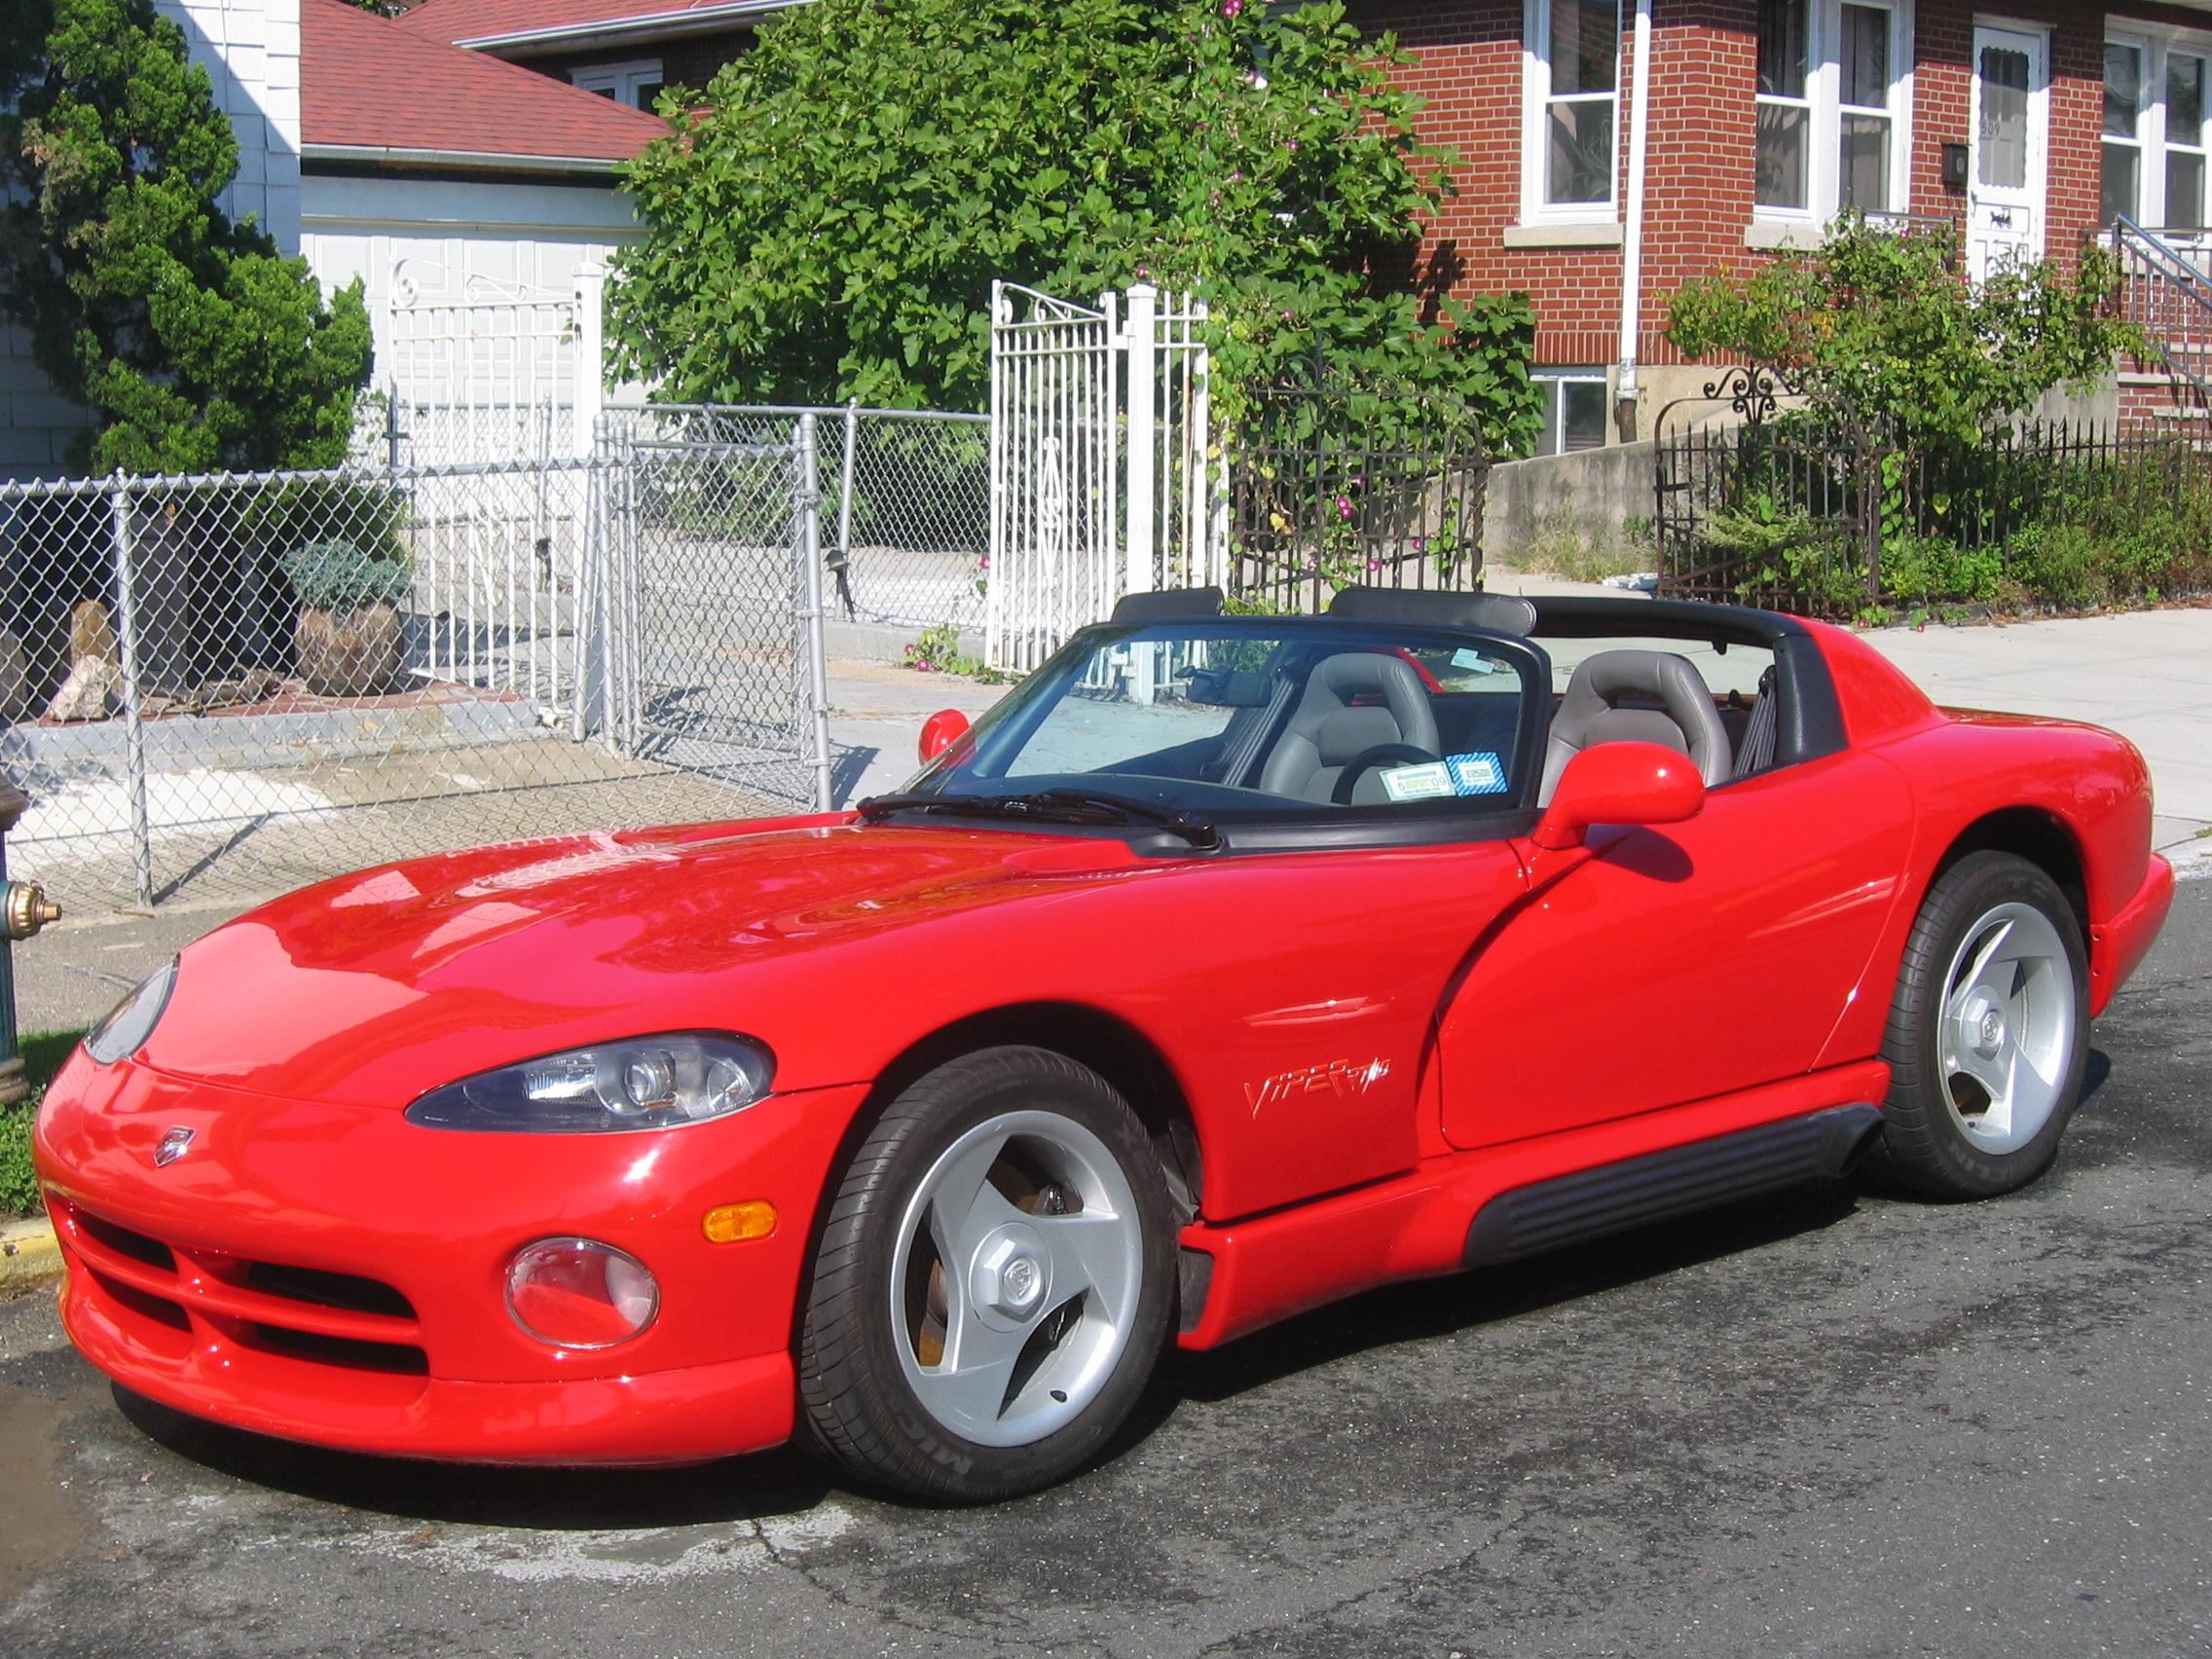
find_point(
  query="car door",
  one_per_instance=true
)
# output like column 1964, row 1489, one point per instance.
column 1679, row 962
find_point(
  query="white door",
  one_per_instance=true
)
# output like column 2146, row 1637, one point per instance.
column 2005, row 188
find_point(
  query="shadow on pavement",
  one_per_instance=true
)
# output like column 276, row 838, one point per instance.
column 734, row 1488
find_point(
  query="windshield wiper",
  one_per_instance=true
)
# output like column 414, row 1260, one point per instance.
column 1056, row 806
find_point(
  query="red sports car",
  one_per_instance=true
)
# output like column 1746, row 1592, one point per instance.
column 1228, row 965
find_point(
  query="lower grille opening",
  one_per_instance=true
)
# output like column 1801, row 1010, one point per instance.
column 327, row 1289
column 135, row 1300
column 346, row 1351
column 124, row 1242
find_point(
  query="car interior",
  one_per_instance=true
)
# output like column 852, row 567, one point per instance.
column 1336, row 720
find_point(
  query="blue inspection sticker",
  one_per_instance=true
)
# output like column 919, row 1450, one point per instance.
column 1475, row 774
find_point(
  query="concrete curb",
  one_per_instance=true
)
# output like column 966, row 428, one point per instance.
column 29, row 1255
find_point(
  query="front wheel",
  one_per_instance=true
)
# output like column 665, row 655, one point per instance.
column 1988, row 1032
column 993, row 1282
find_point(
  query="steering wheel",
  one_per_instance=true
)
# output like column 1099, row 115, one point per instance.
column 1367, row 759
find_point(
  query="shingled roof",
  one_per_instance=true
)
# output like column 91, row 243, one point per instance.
column 368, row 85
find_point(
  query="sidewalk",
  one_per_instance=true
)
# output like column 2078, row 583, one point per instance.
column 2146, row 675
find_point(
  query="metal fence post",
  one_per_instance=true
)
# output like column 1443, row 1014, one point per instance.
column 133, row 730
column 1139, row 576
column 810, row 560
column 842, row 559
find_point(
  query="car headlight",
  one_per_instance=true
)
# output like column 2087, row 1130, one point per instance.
column 132, row 1021
column 643, row 1082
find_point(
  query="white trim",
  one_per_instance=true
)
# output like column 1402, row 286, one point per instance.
column 1555, row 406
column 1535, row 97
column 697, row 19
column 396, row 155
column 1564, row 233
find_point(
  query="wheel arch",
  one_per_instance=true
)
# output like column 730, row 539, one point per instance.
column 2042, row 837
column 1109, row 1044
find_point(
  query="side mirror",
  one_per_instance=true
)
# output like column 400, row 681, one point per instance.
column 1619, row 783
column 940, row 732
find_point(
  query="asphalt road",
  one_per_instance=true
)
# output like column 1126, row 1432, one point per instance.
column 1827, row 1423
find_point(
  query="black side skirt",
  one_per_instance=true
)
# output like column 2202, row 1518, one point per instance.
column 1593, row 1203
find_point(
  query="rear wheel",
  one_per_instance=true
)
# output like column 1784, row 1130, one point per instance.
column 1988, row 1032
column 993, row 1282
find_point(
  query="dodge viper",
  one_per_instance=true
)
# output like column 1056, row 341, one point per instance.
column 1227, row 966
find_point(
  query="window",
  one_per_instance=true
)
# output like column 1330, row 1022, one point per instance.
column 2157, row 87
column 1865, row 126
column 635, row 84
column 2124, row 131
column 1572, row 74
column 1574, row 410
column 1784, row 105
column 1834, row 89
column 2184, row 141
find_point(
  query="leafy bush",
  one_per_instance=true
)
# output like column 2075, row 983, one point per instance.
column 339, row 578
column 1928, row 569
column 1875, row 331
column 832, row 225
column 43, row 1055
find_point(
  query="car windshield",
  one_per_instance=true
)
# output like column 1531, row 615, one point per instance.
column 1239, row 717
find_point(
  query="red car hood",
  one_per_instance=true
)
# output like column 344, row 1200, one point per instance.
column 374, row 987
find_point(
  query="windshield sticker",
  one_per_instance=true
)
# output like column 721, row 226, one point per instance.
column 1475, row 774
column 1473, row 661
column 1425, row 782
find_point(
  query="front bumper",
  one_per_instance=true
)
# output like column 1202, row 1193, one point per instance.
column 336, row 1274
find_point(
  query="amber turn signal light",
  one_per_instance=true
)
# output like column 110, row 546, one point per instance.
column 733, row 1224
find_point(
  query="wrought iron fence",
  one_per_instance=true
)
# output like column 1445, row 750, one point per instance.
column 905, row 498
column 1333, row 486
column 223, row 685
column 1787, row 513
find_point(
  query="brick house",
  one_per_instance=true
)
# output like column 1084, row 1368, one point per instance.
column 624, row 50
column 1599, row 189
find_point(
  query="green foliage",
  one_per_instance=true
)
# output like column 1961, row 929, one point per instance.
column 939, row 652
column 833, row 227
column 1785, row 549
column 43, row 1054
column 339, row 578
column 1929, row 569
column 1876, row 331
column 194, row 343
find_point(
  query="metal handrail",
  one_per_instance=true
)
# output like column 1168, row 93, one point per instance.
column 2170, row 298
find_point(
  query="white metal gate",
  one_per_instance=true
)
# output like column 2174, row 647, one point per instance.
column 1102, row 480
column 482, row 370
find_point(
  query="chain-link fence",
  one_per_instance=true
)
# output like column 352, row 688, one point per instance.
column 905, row 498
column 224, row 686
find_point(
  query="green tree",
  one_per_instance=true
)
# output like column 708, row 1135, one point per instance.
column 194, row 341
column 1878, row 333
column 833, row 226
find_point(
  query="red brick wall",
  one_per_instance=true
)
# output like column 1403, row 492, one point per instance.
column 1698, row 168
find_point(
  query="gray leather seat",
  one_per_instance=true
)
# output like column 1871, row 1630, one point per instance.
column 1591, row 714
column 1328, row 729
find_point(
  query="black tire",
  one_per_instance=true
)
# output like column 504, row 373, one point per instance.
column 857, row 1358
column 1926, row 1146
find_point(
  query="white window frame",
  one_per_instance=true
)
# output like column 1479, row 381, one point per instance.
column 1535, row 104
column 623, row 81
column 1555, row 405
column 1824, row 90
column 2156, row 42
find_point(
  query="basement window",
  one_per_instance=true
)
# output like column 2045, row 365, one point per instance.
column 1574, row 410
